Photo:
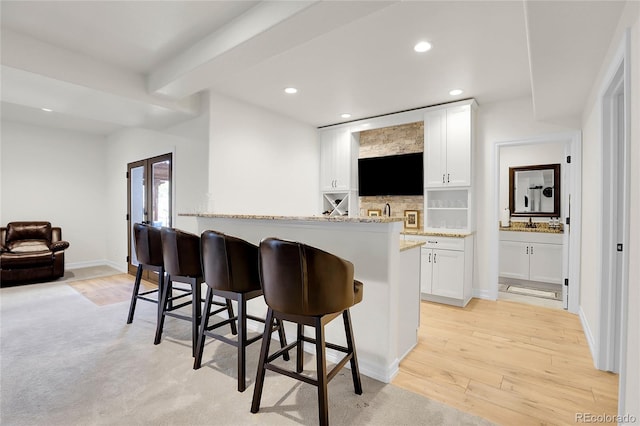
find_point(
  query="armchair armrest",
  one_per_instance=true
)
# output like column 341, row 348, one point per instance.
column 59, row 246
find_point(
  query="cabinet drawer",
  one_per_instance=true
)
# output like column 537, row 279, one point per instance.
column 444, row 243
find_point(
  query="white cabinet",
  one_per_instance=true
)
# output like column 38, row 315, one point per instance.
column 338, row 156
column 338, row 171
column 448, row 141
column 446, row 269
column 531, row 256
column 448, row 133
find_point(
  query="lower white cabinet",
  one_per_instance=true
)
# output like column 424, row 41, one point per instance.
column 531, row 256
column 446, row 269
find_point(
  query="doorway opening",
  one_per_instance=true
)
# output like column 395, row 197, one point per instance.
column 149, row 193
column 563, row 253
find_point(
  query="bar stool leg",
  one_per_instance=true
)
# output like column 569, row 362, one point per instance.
column 234, row 330
column 164, row 295
column 264, row 352
column 323, row 403
column 283, row 338
column 299, row 349
column 242, row 341
column 355, row 371
column 134, row 294
column 197, row 362
column 196, row 313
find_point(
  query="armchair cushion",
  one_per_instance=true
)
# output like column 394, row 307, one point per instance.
column 28, row 246
column 28, row 231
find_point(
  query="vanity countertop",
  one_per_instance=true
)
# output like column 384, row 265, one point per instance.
column 539, row 227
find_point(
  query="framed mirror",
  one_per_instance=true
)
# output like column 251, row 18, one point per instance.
column 534, row 191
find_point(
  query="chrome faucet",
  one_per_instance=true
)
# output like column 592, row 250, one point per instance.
column 387, row 209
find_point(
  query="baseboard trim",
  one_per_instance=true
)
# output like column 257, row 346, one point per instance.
column 91, row 263
column 589, row 336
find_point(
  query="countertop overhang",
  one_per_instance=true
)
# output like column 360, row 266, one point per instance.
column 357, row 219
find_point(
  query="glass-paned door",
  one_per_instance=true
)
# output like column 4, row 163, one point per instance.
column 149, row 198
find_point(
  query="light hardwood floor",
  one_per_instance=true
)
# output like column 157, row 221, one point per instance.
column 508, row 362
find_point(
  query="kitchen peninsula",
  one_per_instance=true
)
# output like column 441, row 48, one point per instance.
column 386, row 321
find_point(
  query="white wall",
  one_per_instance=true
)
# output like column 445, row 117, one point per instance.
column 57, row 176
column 592, row 213
column 526, row 155
column 190, row 171
column 497, row 122
column 261, row 162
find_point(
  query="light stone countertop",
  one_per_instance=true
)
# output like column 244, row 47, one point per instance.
column 540, row 227
column 437, row 234
column 319, row 218
column 408, row 245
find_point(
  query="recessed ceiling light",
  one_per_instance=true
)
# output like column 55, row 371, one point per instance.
column 423, row 46
column 46, row 109
column 345, row 115
column 291, row 90
column 455, row 92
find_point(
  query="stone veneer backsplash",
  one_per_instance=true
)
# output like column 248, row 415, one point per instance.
column 405, row 139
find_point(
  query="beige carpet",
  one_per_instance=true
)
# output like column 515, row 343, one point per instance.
column 66, row 361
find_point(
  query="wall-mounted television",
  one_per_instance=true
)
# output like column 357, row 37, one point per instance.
column 391, row 175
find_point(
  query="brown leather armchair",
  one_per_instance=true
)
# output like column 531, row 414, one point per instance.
column 31, row 252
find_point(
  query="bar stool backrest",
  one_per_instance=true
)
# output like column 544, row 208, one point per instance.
column 148, row 244
column 181, row 253
column 303, row 280
column 229, row 263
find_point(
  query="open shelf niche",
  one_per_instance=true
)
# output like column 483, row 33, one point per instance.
column 336, row 203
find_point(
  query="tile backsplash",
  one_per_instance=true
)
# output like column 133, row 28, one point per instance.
column 405, row 139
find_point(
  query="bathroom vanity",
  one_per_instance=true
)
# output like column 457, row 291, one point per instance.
column 531, row 255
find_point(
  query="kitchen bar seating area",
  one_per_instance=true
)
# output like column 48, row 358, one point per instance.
column 312, row 289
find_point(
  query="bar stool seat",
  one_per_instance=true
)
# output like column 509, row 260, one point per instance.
column 230, row 267
column 307, row 286
column 181, row 255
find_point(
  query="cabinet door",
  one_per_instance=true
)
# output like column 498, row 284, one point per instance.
column 426, row 267
column 514, row 260
column 434, row 150
column 342, row 159
column 448, row 273
column 545, row 263
column 458, row 151
column 327, row 160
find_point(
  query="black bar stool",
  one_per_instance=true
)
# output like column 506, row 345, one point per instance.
column 148, row 247
column 181, row 254
column 307, row 286
column 230, row 267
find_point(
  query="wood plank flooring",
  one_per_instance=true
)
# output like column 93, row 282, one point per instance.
column 110, row 289
column 508, row 362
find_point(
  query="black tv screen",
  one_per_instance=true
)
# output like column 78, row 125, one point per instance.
column 391, row 175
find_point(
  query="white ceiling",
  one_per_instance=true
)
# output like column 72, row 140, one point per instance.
column 106, row 65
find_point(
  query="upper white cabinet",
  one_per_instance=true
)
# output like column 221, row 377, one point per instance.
column 338, row 154
column 448, row 132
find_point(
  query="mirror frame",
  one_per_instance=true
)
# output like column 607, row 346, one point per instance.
column 556, row 192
